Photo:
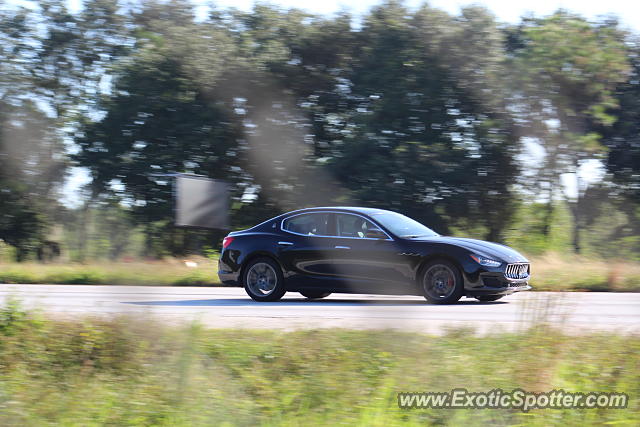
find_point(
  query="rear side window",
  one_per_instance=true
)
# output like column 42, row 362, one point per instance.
column 311, row 224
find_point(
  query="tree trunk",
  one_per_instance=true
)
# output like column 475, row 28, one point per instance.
column 548, row 215
column 148, row 241
column 494, row 233
column 83, row 237
column 577, row 219
column 576, row 235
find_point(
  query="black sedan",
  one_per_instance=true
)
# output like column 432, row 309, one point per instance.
column 319, row 251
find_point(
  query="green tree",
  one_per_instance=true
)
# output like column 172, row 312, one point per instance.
column 622, row 140
column 50, row 60
column 25, row 172
column 416, row 130
column 568, row 70
column 162, row 119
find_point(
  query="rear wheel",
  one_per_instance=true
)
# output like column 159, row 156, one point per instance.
column 486, row 298
column 315, row 294
column 441, row 282
column 263, row 280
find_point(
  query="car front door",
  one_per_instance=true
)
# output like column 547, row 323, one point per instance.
column 366, row 257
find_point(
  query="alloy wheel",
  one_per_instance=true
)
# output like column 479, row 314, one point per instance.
column 262, row 279
column 439, row 282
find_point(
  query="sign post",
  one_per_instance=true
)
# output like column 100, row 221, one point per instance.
column 201, row 202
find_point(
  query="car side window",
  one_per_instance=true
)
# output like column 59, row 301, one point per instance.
column 355, row 226
column 311, row 224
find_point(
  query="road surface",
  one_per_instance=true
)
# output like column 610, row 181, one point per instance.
column 574, row 312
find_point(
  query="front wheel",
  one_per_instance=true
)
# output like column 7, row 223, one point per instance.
column 441, row 282
column 263, row 280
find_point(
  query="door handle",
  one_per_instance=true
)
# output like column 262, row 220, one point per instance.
column 343, row 247
column 285, row 243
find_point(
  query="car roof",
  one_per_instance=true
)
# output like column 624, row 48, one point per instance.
column 354, row 209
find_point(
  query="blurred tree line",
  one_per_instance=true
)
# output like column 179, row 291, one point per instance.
column 416, row 111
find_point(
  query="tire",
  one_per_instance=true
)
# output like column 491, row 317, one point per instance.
column 487, row 298
column 263, row 280
column 315, row 294
column 441, row 282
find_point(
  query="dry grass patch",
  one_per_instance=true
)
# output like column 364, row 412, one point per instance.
column 551, row 272
column 568, row 272
column 158, row 273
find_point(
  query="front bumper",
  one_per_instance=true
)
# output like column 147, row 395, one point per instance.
column 495, row 291
column 494, row 283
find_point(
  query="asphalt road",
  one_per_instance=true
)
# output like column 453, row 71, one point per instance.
column 574, row 312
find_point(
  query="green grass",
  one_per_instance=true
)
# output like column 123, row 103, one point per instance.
column 568, row 272
column 158, row 273
column 122, row 372
column 550, row 272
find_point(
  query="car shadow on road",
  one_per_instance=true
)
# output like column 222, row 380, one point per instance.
column 235, row 302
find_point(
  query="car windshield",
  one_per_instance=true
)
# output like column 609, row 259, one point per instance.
column 403, row 226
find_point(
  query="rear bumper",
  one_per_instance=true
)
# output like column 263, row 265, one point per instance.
column 229, row 277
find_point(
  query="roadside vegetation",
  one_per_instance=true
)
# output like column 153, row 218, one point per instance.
column 472, row 126
column 121, row 372
column 551, row 272
column 568, row 272
column 167, row 272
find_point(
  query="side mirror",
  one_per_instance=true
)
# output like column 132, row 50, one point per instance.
column 375, row 233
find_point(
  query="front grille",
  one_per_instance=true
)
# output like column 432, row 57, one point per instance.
column 517, row 271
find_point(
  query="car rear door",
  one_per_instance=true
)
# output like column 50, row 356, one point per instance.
column 306, row 241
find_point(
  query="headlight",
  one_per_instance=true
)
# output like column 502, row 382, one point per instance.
column 487, row 262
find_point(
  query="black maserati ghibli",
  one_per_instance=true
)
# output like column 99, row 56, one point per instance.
column 319, row 251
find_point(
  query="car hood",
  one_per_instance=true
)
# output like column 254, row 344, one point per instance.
column 489, row 249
